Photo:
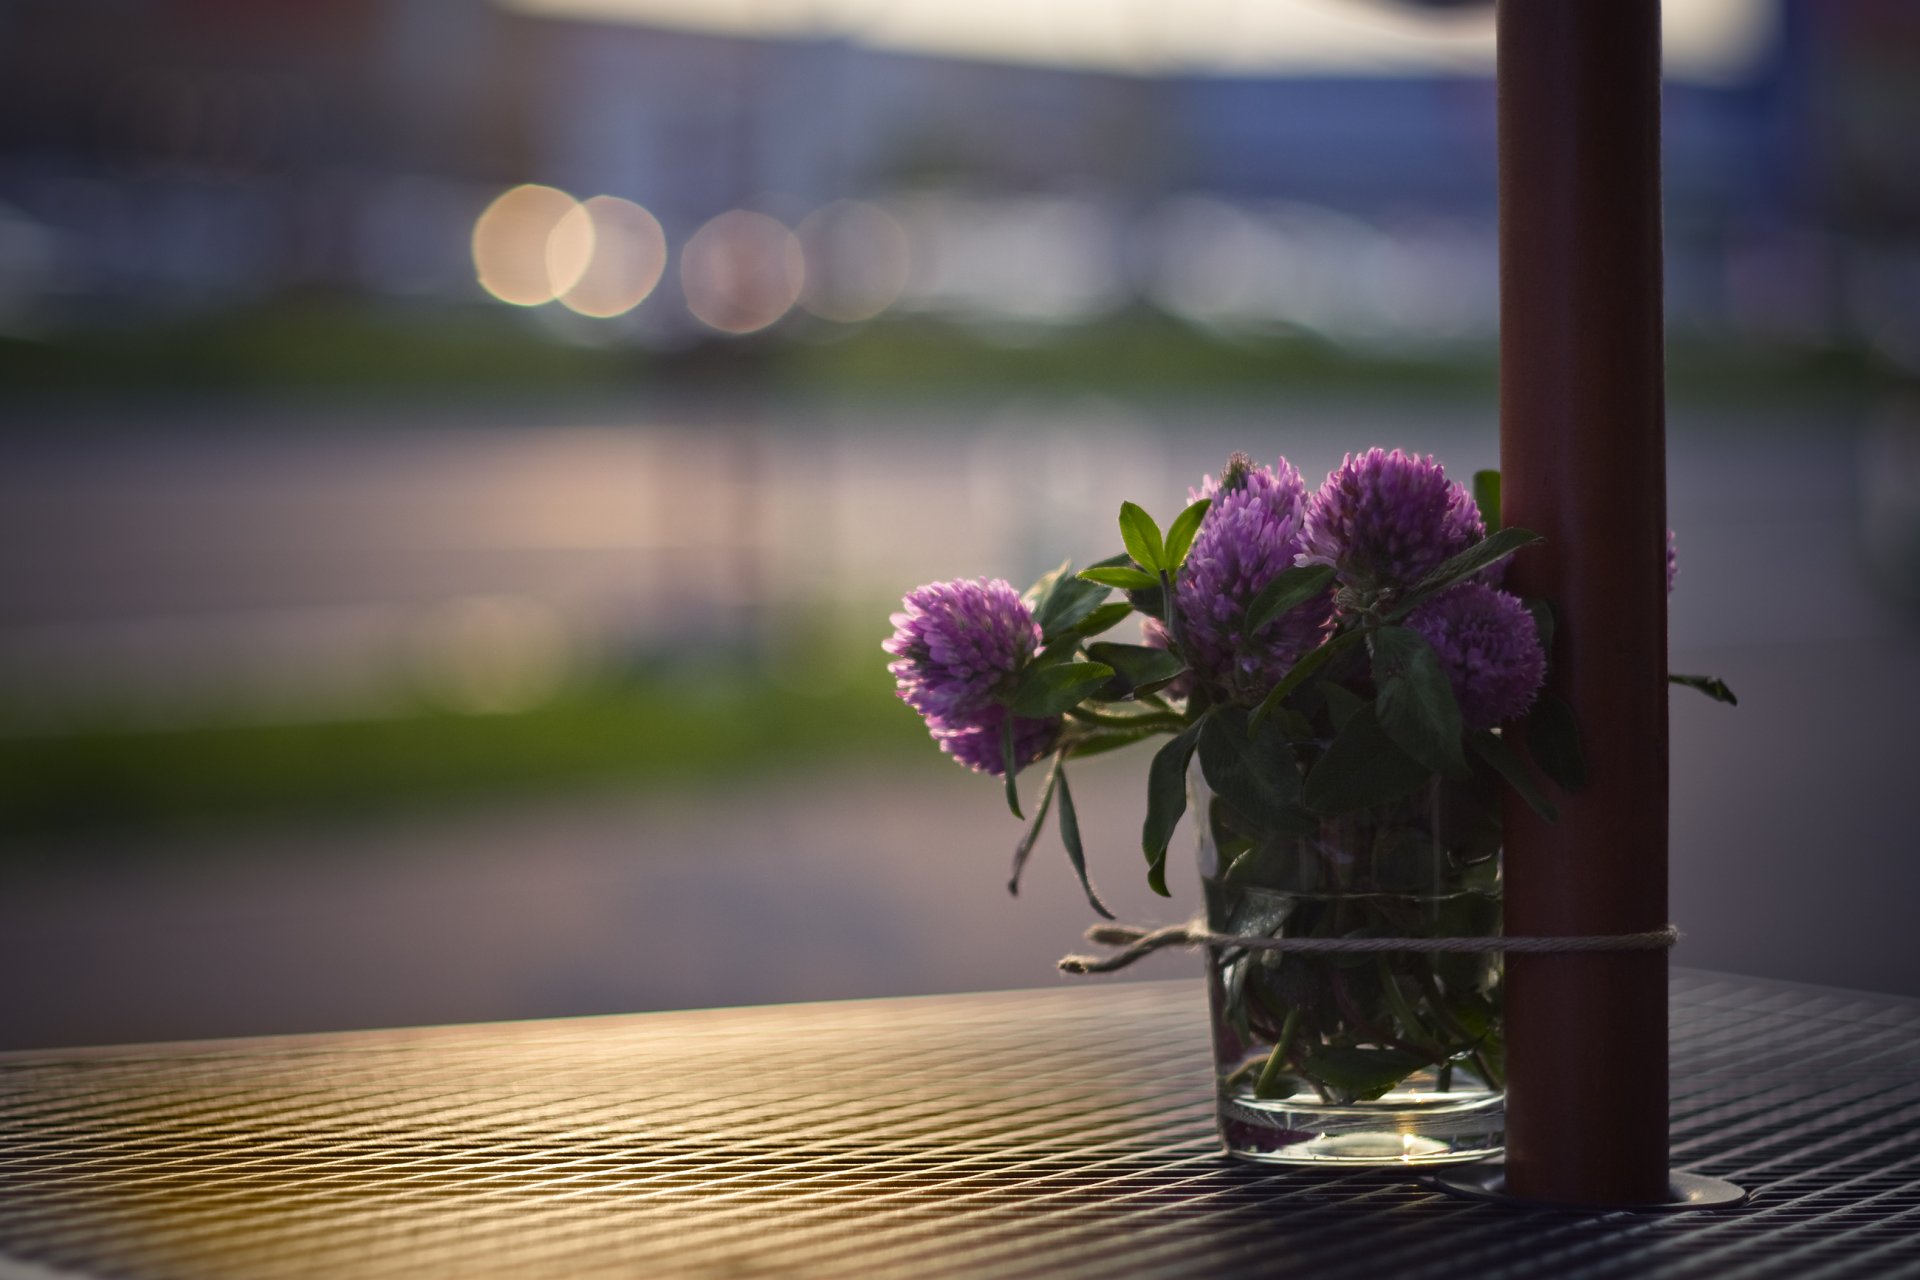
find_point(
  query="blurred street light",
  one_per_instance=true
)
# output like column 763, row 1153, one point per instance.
column 857, row 261
column 629, row 255
column 517, row 254
column 741, row 272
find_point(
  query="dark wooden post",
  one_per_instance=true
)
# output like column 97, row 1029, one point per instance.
column 1582, row 451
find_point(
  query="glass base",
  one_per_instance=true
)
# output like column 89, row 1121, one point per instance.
column 1685, row 1191
column 1406, row 1127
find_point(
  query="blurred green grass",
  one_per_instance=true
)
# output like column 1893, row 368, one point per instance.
column 631, row 733
column 311, row 343
column 322, row 346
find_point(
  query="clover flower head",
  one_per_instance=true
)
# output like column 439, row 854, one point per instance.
column 1385, row 520
column 1251, row 534
column 1490, row 649
column 956, row 646
column 977, row 744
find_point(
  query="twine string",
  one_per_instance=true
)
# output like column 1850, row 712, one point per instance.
column 1136, row 942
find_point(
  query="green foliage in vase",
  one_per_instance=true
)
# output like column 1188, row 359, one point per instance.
column 1349, row 1028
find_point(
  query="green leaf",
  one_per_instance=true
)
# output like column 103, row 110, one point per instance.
column 1296, row 726
column 1180, row 532
column 1046, row 691
column 1486, row 496
column 1553, row 738
column 1416, row 705
column 1025, row 847
column 1490, row 747
column 1303, row 670
column 1062, row 649
column 1291, row 588
column 1166, row 802
column 1482, row 555
column 1070, row 837
column 1136, row 666
column 1341, row 702
column 1008, row 762
column 1062, row 599
column 1104, row 618
column 1151, row 601
column 1359, row 1075
column 1712, row 686
column 1142, row 537
column 1362, row 769
column 1125, row 579
column 1036, row 595
column 1252, row 770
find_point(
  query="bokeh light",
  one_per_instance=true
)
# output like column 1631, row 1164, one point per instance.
column 517, row 254
column 1014, row 262
column 628, row 255
column 571, row 247
column 857, row 261
column 742, row 271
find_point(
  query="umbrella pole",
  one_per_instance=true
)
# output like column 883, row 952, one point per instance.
column 1582, row 452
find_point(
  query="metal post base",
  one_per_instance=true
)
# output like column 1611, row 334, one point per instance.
column 1487, row 1181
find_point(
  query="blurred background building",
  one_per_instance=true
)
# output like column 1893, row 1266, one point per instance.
column 458, row 456
column 171, row 158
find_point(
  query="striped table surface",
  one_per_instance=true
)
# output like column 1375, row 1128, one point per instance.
column 1060, row 1133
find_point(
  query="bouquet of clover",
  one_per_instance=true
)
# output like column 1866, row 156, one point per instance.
column 1339, row 666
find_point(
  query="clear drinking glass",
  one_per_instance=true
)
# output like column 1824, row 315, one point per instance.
column 1357, row 1059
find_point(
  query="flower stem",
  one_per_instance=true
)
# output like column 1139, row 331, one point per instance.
column 1268, row 1083
column 1108, row 719
column 1176, row 629
column 1437, row 1001
column 1410, row 1024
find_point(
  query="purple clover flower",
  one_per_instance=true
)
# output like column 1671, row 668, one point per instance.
column 1491, row 651
column 1673, row 562
column 977, row 745
column 1252, row 533
column 957, row 645
column 1385, row 520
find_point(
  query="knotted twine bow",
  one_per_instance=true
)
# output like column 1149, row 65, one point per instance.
column 1137, row 942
